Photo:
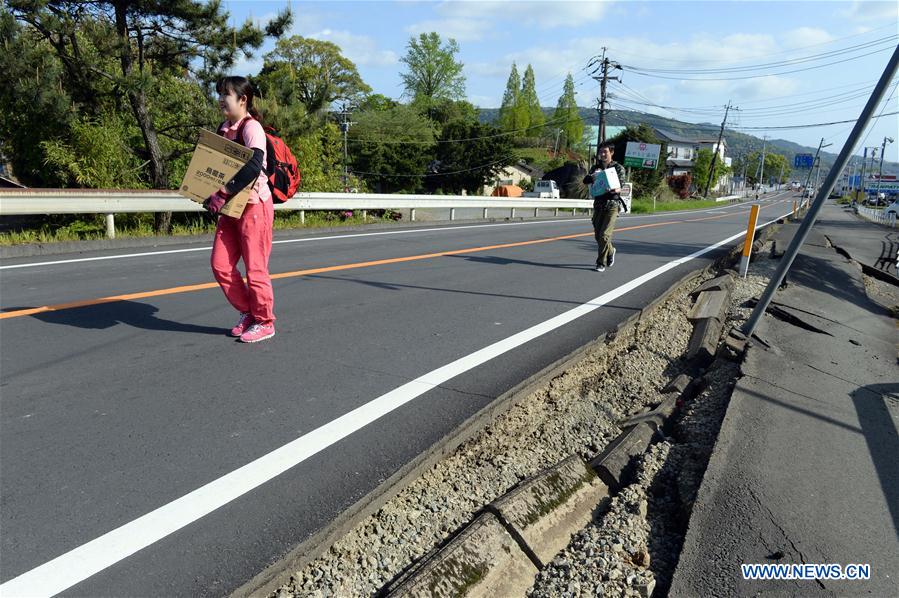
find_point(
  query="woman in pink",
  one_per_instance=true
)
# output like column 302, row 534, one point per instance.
column 250, row 236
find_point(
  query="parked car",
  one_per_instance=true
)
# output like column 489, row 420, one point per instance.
column 544, row 190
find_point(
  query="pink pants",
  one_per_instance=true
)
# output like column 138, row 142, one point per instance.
column 248, row 237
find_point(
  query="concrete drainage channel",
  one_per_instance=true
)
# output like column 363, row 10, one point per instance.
column 579, row 482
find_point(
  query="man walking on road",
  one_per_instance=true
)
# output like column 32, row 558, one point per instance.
column 605, row 207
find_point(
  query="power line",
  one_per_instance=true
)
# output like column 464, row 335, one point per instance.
column 810, row 68
column 767, row 54
column 765, row 65
column 812, row 125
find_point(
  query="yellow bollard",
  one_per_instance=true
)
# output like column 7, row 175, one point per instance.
column 750, row 237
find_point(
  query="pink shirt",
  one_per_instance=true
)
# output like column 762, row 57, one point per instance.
column 253, row 137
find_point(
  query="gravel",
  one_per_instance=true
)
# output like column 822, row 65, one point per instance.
column 575, row 412
column 633, row 549
column 630, row 550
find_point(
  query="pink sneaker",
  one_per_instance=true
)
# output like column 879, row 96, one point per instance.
column 258, row 332
column 245, row 321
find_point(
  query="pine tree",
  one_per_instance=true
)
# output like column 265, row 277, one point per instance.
column 567, row 116
column 510, row 101
column 530, row 104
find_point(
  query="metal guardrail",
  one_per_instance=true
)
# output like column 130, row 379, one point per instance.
column 878, row 216
column 21, row 202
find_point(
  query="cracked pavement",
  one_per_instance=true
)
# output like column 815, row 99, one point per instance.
column 805, row 469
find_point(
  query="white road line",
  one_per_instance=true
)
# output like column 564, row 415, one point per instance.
column 75, row 566
column 326, row 238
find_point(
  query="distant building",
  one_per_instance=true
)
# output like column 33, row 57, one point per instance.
column 682, row 151
column 514, row 175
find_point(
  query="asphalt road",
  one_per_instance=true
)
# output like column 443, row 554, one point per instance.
column 146, row 453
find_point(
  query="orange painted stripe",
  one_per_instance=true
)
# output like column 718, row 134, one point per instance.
column 396, row 260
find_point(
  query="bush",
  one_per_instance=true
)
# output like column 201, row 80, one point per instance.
column 681, row 184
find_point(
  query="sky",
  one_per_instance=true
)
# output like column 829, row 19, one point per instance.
column 665, row 49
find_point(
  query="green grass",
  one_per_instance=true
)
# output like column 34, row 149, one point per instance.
column 56, row 229
column 644, row 206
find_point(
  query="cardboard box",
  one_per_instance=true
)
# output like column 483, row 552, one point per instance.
column 215, row 161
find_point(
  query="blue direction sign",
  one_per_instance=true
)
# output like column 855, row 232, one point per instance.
column 803, row 161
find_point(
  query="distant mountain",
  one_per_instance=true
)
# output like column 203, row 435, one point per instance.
column 738, row 144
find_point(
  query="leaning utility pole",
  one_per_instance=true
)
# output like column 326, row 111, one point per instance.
column 708, row 183
column 861, row 183
column 815, row 161
column 883, row 150
column 799, row 238
column 605, row 65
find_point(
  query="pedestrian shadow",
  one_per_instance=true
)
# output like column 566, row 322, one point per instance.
column 107, row 315
column 878, row 425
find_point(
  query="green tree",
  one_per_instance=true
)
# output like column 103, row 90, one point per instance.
column 432, row 71
column 34, row 104
column 446, row 111
column 118, row 50
column 510, row 115
column 646, row 181
column 567, row 117
column 96, row 154
column 469, row 156
column 319, row 156
column 391, row 148
column 530, row 103
column 702, row 164
column 310, row 71
column 376, row 102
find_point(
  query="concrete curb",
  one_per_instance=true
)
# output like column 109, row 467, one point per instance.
column 482, row 560
column 613, row 464
column 548, row 508
column 541, row 514
column 708, row 316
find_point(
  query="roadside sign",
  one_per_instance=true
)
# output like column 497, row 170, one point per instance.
column 642, row 155
column 803, row 161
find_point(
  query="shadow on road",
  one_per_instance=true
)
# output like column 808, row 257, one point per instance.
column 107, row 315
column 879, row 428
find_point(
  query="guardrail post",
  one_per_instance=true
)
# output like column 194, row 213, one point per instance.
column 513, row 212
column 574, row 212
column 536, row 212
column 303, row 217
column 750, row 237
column 452, row 213
column 364, row 215
column 412, row 215
column 110, row 226
column 557, row 213
column 485, row 213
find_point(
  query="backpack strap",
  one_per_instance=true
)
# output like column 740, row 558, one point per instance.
column 240, row 127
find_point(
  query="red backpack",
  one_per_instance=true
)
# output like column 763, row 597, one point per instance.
column 280, row 164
